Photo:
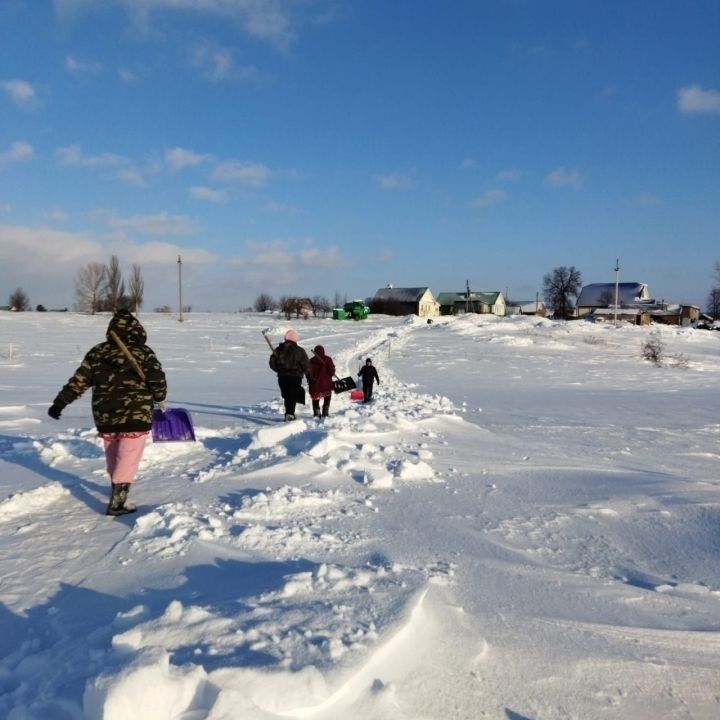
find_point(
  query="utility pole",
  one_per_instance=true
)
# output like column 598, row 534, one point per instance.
column 180, row 318
column 617, row 283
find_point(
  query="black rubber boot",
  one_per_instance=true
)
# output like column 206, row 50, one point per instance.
column 118, row 500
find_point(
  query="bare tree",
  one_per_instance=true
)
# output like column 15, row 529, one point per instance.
column 607, row 298
column 290, row 307
column 558, row 286
column 321, row 305
column 264, row 302
column 89, row 285
column 297, row 306
column 713, row 304
column 716, row 271
column 136, row 288
column 19, row 300
column 114, row 285
column 339, row 300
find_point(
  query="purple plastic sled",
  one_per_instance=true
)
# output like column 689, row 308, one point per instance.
column 173, row 425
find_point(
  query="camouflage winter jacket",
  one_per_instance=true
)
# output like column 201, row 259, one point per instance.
column 121, row 401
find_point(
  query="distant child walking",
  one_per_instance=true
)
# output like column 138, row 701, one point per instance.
column 369, row 375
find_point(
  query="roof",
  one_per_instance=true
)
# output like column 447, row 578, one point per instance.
column 401, row 294
column 451, row 298
column 526, row 305
column 628, row 294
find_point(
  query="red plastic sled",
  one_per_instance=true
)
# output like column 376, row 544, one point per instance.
column 357, row 395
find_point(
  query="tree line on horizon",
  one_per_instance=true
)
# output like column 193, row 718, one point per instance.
column 101, row 288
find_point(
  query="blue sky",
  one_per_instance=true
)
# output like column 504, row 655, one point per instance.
column 328, row 146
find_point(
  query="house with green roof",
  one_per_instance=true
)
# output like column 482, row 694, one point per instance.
column 455, row 303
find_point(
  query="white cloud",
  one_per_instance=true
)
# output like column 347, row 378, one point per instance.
column 695, row 100
column 44, row 262
column 80, row 67
column 44, row 251
column 178, row 158
column 562, row 177
column 645, row 200
column 18, row 152
column 284, row 263
column 489, row 198
column 19, row 91
column 508, row 175
column 160, row 224
column 394, row 181
column 205, row 193
column 159, row 254
column 73, row 155
column 215, row 63
column 244, row 173
column 56, row 215
column 278, row 207
column 267, row 20
column 131, row 177
column 127, row 76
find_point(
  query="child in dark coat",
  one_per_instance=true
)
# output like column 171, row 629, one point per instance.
column 369, row 375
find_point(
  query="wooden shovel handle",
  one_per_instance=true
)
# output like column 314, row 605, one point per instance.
column 130, row 357
column 270, row 345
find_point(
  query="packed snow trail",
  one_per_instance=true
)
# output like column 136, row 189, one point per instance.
column 423, row 556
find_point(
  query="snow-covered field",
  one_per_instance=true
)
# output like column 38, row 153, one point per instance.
column 524, row 525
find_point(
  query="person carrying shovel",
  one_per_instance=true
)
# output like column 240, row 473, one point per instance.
column 126, row 378
column 291, row 363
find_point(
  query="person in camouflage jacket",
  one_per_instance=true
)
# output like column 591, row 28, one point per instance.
column 122, row 400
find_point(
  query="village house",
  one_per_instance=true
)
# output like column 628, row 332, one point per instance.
column 597, row 302
column 405, row 301
column 602, row 295
column 526, row 307
column 454, row 303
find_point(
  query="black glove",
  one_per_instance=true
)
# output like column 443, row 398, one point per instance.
column 54, row 412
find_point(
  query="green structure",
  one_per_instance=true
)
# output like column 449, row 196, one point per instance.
column 353, row 310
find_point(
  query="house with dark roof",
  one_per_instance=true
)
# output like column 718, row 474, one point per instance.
column 405, row 301
column 456, row 303
column 597, row 302
column 602, row 295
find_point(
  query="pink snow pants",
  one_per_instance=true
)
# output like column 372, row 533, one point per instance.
column 123, row 454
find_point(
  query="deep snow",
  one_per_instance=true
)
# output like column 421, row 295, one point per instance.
column 525, row 524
